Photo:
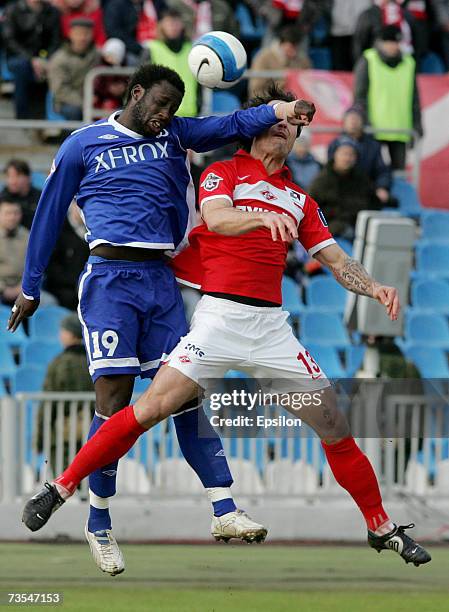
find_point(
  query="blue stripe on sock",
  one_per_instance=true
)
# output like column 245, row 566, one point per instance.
column 224, row 506
column 99, row 519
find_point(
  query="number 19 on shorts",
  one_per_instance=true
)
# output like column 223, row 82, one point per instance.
column 104, row 346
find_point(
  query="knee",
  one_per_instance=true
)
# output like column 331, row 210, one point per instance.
column 112, row 403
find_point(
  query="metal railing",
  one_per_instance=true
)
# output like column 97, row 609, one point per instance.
column 405, row 437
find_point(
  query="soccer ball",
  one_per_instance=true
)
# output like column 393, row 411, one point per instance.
column 217, row 59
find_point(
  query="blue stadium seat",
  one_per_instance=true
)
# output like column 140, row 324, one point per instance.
column 8, row 366
column 430, row 361
column 28, row 379
column 328, row 360
column 409, row 204
column 354, row 358
column 224, row 102
column 325, row 329
column 430, row 330
column 326, row 295
column 435, row 225
column 291, row 298
column 248, row 29
column 431, row 296
column 432, row 259
column 40, row 353
column 50, row 112
column 6, row 74
column 431, row 63
column 18, row 339
column 321, row 58
column 45, row 323
column 38, row 179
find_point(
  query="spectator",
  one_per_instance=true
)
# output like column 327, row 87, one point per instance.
column 422, row 13
column 370, row 158
column 147, row 20
column 67, row 372
column 68, row 69
column 121, row 18
column 110, row 90
column 31, row 34
column 373, row 20
column 281, row 54
column 68, row 260
column 303, row 165
column 13, row 244
column 344, row 16
column 252, row 25
column 172, row 49
column 441, row 12
column 201, row 16
column 342, row 190
column 19, row 189
column 385, row 85
column 83, row 9
column 303, row 14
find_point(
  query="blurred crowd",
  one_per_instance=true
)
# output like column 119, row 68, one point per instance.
column 50, row 46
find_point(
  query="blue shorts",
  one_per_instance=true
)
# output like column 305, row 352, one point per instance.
column 132, row 315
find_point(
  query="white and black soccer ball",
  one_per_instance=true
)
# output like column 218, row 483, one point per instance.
column 217, row 59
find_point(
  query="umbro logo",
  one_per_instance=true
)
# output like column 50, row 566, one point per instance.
column 220, row 453
column 109, row 472
column 108, row 137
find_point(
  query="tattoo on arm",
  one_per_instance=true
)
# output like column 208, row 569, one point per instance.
column 353, row 276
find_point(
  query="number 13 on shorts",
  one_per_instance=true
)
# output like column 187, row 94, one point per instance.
column 109, row 343
column 309, row 363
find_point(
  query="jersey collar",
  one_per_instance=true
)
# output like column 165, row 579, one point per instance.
column 247, row 158
column 112, row 119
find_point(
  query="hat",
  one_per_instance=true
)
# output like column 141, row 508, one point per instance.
column 355, row 108
column 82, row 22
column 392, row 33
column 342, row 141
column 116, row 48
column 71, row 324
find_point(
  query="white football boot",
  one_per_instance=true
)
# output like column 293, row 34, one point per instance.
column 105, row 551
column 237, row 525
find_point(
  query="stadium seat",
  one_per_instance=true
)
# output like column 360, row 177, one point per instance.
column 50, row 112
column 28, row 379
column 224, row 102
column 176, row 477
column 431, row 63
column 328, row 360
column 38, row 179
column 291, row 298
column 432, row 260
column 248, row 29
column 40, row 353
column 431, row 296
column 247, row 479
column 431, row 361
column 141, row 385
column 354, row 358
column 132, row 477
column 321, row 58
column 416, row 477
column 325, row 329
column 431, row 330
column 409, row 204
column 46, row 322
column 326, row 295
column 6, row 74
column 283, row 477
column 435, row 226
column 8, row 366
column 18, row 339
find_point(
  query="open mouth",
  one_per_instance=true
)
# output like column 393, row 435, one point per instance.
column 282, row 135
column 156, row 126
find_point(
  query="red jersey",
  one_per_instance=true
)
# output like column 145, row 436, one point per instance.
column 251, row 264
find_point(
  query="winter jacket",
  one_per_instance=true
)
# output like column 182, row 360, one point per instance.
column 342, row 197
column 223, row 17
column 120, row 21
column 67, row 72
column 31, row 33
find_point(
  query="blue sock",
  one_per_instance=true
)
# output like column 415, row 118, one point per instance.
column 101, row 486
column 206, row 456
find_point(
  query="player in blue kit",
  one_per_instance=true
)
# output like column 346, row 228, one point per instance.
column 130, row 176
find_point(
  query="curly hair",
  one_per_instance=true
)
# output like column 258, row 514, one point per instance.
column 148, row 75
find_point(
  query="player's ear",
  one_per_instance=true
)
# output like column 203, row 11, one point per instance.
column 137, row 93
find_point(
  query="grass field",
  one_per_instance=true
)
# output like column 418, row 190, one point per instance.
column 230, row 578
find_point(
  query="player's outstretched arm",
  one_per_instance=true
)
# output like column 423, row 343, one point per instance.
column 221, row 218
column 208, row 133
column 353, row 276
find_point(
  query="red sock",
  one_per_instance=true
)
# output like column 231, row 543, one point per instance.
column 112, row 440
column 354, row 472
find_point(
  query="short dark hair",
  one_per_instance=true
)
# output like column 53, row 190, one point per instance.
column 148, row 75
column 19, row 165
column 290, row 34
column 272, row 92
column 5, row 199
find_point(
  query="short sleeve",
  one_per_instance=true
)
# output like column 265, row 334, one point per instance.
column 217, row 181
column 313, row 231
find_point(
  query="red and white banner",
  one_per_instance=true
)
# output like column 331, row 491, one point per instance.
column 332, row 94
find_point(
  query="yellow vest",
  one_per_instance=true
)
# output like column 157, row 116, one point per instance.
column 390, row 95
column 161, row 54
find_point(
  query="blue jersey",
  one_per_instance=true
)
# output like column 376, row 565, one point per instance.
column 133, row 191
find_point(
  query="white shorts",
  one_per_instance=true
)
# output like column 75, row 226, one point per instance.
column 225, row 335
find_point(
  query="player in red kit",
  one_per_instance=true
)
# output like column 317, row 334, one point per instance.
column 252, row 211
